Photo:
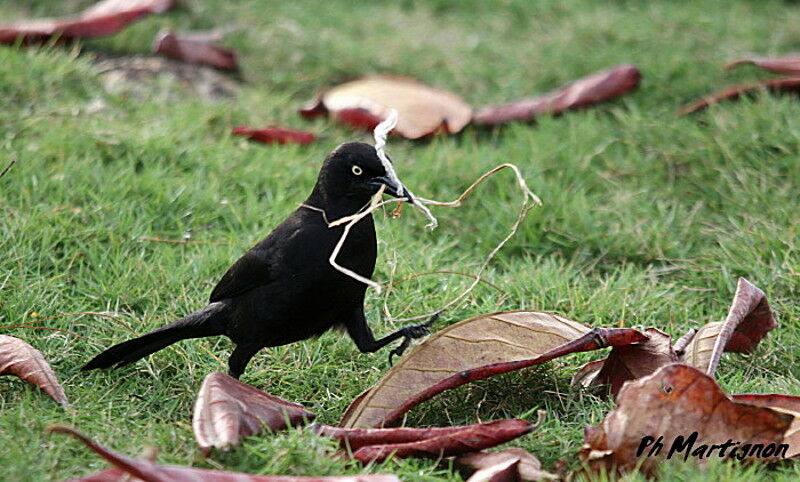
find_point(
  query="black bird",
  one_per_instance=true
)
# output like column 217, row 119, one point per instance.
column 284, row 289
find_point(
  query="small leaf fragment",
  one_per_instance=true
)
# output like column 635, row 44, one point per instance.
column 678, row 401
column 473, row 438
column 528, row 468
column 194, row 49
column 26, row 362
column 476, row 349
column 503, row 471
column 748, row 321
column 227, row 410
column 781, row 65
column 275, row 135
column 365, row 102
column 599, row 87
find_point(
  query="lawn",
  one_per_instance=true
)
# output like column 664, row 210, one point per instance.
column 648, row 218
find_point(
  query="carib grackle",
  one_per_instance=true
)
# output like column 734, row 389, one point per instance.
column 284, row 289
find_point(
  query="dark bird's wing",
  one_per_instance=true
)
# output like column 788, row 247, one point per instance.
column 250, row 271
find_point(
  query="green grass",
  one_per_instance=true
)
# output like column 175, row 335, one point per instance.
column 648, row 218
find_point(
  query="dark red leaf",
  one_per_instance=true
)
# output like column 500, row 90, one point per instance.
column 275, row 135
column 471, row 439
column 151, row 472
column 194, row 49
column 105, row 18
column 26, row 362
column 782, row 65
column 227, row 410
column 785, row 84
column 588, row 91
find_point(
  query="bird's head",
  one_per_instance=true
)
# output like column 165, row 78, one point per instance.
column 354, row 171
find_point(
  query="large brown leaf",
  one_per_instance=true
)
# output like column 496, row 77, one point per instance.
column 26, row 362
column 143, row 469
column 785, row 84
column 104, row 18
column 475, row 349
column 782, row 65
column 528, row 467
column 367, row 101
column 195, row 49
column 748, row 321
column 227, row 410
column 628, row 362
column 783, row 403
column 472, row 438
column 678, row 401
column 600, row 87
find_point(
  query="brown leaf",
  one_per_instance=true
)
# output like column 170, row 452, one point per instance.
column 275, row 134
column 748, row 321
column 676, row 402
column 628, row 362
column 367, row 101
column 783, row 403
column 143, row 469
column 528, row 468
column 355, row 438
column 472, row 438
column 597, row 88
column 782, row 65
column 104, row 18
column 26, row 362
column 777, row 86
column 506, row 470
column 194, row 49
column 227, row 410
column 475, row 349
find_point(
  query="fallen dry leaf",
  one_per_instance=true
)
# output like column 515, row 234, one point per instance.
column 143, row 469
column 472, row 438
column 26, row 362
column 104, row 18
column 365, row 102
column 782, row 65
column 599, row 87
column 679, row 412
column 475, row 349
column 227, row 410
column 748, row 321
column 275, row 134
column 528, row 467
column 784, row 84
column 783, row 403
column 194, row 49
column 628, row 362
column 506, row 470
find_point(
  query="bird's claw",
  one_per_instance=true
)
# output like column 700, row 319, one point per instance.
column 412, row 332
column 401, row 348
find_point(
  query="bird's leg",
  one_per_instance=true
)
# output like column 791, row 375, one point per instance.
column 240, row 358
column 362, row 335
column 412, row 332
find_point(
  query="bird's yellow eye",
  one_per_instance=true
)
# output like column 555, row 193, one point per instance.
column 357, row 170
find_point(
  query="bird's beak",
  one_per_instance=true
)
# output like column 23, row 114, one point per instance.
column 392, row 188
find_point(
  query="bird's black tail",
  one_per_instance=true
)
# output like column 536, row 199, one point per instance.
column 209, row 321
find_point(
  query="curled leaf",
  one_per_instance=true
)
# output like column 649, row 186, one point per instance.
column 275, row 134
column 194, row 49
column 503, row 471
column 356, row 438
column 781, row 65
column 748, row 321
column 628, row 362
column 26, row 362
column 783, row 403
column 600, row 87
column 104, row 18
column 476, row 349
column 782, row 85
column 227, row 410
column 146, row 470
column 472, row 438
column 528, row 467
column 365, row 102
column 680, row 412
